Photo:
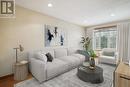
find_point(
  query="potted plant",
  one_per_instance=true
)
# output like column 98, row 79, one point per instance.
column 86, row 42
column 92, row 55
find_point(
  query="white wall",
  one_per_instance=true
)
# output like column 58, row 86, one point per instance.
column 27, row 29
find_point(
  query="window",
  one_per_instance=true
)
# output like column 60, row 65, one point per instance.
column 105, row 38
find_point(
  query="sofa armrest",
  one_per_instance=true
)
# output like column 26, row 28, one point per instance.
column 85, row 53
column 38, row 69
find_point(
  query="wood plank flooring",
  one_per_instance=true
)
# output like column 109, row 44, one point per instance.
column 9, row 81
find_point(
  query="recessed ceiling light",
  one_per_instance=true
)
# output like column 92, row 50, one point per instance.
column 50, row 5
column 112, row 15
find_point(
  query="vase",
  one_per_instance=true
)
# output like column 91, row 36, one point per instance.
column 92, row 62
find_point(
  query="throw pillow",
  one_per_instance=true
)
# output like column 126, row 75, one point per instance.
column 49, row 57
column 41, row 56
column 85, row 53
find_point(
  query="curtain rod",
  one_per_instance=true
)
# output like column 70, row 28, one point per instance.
column 105, row 27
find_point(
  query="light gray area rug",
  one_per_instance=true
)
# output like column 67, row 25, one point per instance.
column 70, row 79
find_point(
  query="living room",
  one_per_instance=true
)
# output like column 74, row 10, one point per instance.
column 74, row 45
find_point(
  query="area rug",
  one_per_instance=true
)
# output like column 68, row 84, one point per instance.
column 70, row 79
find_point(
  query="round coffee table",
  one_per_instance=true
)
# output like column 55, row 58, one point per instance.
column 88, row 75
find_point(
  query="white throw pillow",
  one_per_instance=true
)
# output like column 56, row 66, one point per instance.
column 41, row 56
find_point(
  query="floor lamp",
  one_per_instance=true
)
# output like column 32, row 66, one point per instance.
column 16, row 50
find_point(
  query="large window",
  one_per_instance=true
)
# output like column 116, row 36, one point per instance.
column 105, row 38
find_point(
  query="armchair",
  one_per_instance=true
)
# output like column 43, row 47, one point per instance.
column 108, row 55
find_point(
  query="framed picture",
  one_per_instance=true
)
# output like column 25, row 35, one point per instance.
column 54, row 36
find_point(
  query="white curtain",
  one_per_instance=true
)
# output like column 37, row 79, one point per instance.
column 123, row 43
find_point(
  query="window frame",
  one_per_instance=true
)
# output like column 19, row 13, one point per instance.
column 103, row 30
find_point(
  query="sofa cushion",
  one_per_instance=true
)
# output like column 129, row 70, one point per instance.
column 60, row 52
column 107, row 59
column 71, row 51
column 56, row 67
column 81, row 57
column 41, row 56
column 71, row 60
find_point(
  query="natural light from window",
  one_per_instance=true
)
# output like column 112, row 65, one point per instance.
column 105, row 38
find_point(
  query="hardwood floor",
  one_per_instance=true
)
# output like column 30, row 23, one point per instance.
column 9, row 81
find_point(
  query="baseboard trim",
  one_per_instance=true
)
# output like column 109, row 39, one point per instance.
column 6, row 76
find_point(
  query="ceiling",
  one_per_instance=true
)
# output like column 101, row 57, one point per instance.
column 82, row 12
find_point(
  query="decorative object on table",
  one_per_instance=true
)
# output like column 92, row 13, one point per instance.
column 55, row 36
column 86, row 43
column 92, row 60
column 16, row 49
column 21, row 70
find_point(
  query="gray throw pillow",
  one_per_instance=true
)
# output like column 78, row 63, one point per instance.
column 49, row 57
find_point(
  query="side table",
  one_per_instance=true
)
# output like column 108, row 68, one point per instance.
column 21, row 70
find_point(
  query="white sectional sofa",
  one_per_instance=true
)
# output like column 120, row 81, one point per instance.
column 64, row 60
